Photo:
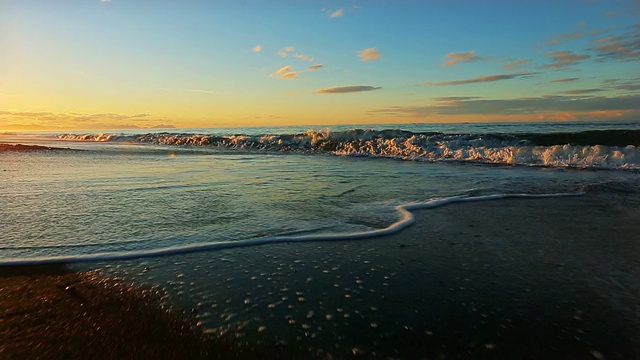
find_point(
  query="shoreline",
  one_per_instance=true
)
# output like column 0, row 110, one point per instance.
column 508, row 279
column 405, row 221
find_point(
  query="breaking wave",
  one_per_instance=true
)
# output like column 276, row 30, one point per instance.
column 608, row 149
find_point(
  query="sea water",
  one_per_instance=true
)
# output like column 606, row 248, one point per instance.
column 131, row 193
column 247, row 219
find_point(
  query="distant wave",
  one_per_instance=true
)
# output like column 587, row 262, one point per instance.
column 406, row 220
column 21, row 147
column 609, row 149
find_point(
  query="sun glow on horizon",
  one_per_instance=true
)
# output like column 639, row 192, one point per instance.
column 101, row 65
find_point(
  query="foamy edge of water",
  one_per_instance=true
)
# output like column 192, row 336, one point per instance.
column 509, row 149
column 407, row 219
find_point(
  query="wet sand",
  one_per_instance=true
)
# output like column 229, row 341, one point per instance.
column 519, row 278
column 47, row 312
column 507, row 279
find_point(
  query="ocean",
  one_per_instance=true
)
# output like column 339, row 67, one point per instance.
column 250, row 205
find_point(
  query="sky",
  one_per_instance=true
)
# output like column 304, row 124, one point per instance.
column 120, row 64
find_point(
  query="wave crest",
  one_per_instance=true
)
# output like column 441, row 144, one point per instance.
column 580, row 150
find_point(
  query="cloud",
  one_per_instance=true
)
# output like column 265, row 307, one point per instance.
column 611, row 14
column 480, row 79
column 303, row 57
column 257, row 48
column 162, row 126
column 562, row 38
column 551, row 104
column 290, row 75
column 315, row 67
column 562, row 59
column 565, row 80
column 607, row 39
column 283, row 69
column 515, row 64
column 455, row 58
column 580, row 91
column 369, row 54
column 104, row 1
column 43, row 119
column 625, row 47
column 454, row 98
column 346, row 89
column 284, row 52
column 286, row 73
column 628, row 87
column 107, row 116
column 337, row 13
column 289, row 49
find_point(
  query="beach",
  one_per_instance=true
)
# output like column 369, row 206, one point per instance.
column 320, row 180
column 516, row 278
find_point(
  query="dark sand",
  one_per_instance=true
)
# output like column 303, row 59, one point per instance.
column 47, row 312
column 508, row 279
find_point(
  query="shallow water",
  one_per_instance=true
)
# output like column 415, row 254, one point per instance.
column 438, row 290
column 135, row 198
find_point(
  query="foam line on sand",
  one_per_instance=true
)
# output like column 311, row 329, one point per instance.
column 406, row 219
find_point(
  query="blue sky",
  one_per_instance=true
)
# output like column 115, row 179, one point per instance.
column 118, row 64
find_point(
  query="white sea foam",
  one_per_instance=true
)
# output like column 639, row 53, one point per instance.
column 493, row 149
column 406, row 220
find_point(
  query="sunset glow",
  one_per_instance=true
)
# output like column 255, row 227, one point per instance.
column 91, row 64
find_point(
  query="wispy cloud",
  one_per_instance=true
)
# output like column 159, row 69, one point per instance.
column 481, row 79
column 606, row 39
column 290, row 75
column 336, row 14
column 612, row 14
column 46, row 119
column 455, row 58
column 563, row 38
column 625, row 47
column 515, row 64
column 454, row 98
column 563, row 59
column 285, row 73
column 315, row 67
column 284, row 52
column 257, row 48
column 580, row 91
column 615, row 107
column 369, row 54
column 303, row 57
column 628, row 87
column 565, row 80
column 282, row 70
column 346, row 89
